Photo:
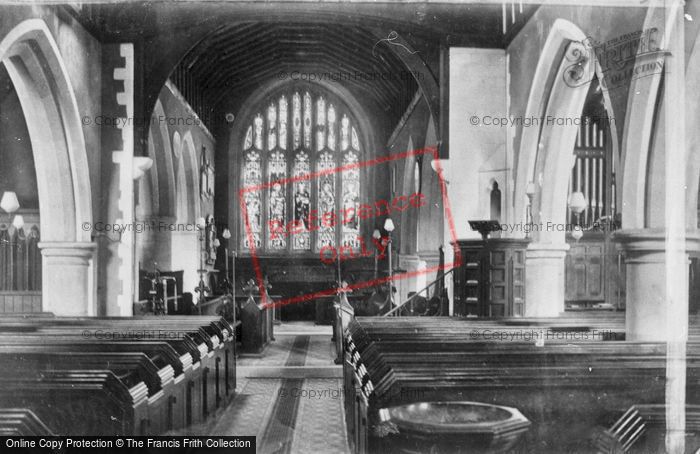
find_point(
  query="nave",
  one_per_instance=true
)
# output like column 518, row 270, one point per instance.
column 291, row 397
column 352, row 226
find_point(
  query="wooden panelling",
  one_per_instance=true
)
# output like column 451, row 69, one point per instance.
column 491, row 280
column 20, row 264
column 20, row 302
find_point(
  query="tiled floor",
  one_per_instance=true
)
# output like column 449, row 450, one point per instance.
column 291, row 397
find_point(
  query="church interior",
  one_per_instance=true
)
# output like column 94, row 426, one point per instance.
column 353, row 227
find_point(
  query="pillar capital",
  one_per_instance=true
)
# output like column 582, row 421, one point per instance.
column 75, row 249
column 651, row 243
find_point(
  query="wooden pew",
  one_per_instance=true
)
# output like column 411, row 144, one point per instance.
column 561, row 385
column 174, row 372
column 21, row 422
column 132, row 369
column 79, row 402
column 198, row 385
column 185, row 396
column 210, row 345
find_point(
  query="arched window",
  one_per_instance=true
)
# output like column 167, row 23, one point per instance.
column 291, row 149
column 495, row 202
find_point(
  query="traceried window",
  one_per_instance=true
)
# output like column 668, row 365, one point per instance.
column 291, row 148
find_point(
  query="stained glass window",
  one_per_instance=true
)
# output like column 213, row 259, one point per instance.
column 320, row 123
column 258, row 132
column 344, row 133
column 307, row 120
column 271, row 127
column 277, row 200
column 302, row 203
column 252, row 177
column 326, row 201
column 331, row 127
column 248, row 142
column 355, row 140
column 351, row 201
column 283, row 123
column 296, row 120
column 317, row 207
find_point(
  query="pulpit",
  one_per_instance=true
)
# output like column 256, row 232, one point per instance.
column 490, row 281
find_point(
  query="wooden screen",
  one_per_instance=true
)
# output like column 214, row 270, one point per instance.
column 20, row 267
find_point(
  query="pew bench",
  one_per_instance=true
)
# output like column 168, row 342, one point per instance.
column 562, row 386
column 20, row 422
column 133, row 369
column 80, row 402
column 211, row 346
column 186, row 376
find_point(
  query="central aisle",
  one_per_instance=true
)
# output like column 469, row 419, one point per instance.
column 291, row 396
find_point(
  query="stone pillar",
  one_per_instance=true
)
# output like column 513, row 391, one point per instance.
column 185, row 255
column 544, row 279
column 645, row 266
column 68, row 278
column 415, row 267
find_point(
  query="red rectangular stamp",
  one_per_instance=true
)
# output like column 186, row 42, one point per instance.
column 328, row 217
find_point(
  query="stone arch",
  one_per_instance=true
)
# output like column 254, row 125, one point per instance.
column 555, row 157
column 181, row 207
column 562, row 32
column 189, row 159
column 38, row 73
column 409, row 220
column 153, row 176
column 559, row 90
column 35, row 65
column 693, row 136
column 637, row 137
column 163, row 162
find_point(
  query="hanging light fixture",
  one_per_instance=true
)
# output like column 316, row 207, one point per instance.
column 389, row 225
column 18, row 222
column 577, row 232
column 9, row 202
column 577, row 202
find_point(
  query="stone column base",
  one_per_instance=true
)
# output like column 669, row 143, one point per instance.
column 544, row 279
column 68, row 278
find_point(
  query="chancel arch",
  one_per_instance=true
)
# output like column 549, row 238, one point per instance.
column 38, row 73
